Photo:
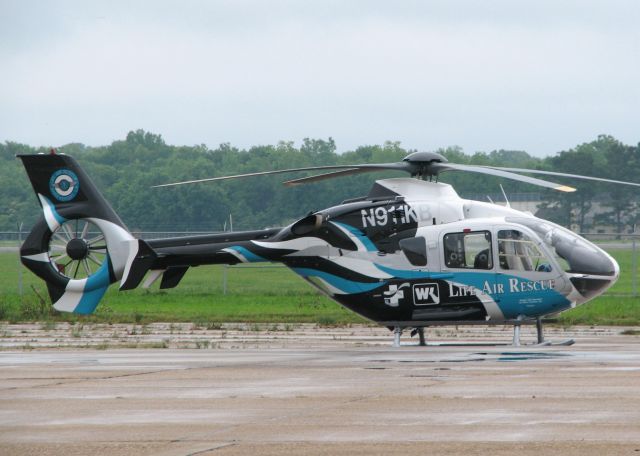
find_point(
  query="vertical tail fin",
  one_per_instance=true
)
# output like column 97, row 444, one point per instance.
column 79, row 246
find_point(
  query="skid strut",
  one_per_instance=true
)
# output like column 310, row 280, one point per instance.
column 420, row 332
column 397, row 332
column 516, row 331
column 540, row 330
column 423, row 341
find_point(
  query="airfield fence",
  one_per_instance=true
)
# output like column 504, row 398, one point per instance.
column 10, row 241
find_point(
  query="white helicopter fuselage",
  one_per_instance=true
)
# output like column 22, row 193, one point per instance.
column 466, row 262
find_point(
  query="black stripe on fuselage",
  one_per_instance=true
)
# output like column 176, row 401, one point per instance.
column 372, row 304
column 328, row 266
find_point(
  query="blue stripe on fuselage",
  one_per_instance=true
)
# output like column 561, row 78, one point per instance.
column 248, row 254
column 342, row 284
column 511, row 303
column 368, row 244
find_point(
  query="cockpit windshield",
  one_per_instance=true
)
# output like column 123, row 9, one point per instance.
column 518, row 252
column 580, row 255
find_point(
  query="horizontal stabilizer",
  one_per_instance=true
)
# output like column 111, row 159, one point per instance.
column 172, row 276
column 152, row 276
column 141, row 258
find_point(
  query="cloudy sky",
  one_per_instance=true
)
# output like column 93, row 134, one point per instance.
column 540, row 76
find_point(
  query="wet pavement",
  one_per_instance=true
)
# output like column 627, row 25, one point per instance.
column 307, row 390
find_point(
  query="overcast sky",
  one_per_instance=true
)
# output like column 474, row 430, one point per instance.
column 540, row 76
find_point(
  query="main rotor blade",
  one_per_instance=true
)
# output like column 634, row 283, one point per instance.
column 346, row 172
column 507, row 175
column 553, row 173
column 291, row 170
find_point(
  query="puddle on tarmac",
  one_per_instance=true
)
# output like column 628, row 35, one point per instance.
column 523, row 356
column 484, row 356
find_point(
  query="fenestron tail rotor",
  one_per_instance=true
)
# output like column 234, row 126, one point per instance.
column 77, row 249
column 79, row 246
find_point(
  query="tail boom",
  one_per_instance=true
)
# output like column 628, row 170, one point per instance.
column 68, row 196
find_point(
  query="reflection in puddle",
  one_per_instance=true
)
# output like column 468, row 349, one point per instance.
column 524, row 356
column 484, row 356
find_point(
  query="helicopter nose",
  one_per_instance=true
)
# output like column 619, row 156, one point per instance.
column 590, row 269
column 602, row 274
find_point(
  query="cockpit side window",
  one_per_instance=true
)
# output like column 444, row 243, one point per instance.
column 518, row 252
column 415, row 250
column 468, row 250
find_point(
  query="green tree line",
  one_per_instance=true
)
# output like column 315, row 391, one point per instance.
column 127, row 169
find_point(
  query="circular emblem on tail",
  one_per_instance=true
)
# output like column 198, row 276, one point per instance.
column 64, row 185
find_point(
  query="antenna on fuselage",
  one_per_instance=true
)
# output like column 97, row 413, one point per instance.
column 230, row 221
column 490, row 200
column 505, row 196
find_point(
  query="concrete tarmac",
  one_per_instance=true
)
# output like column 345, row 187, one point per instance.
column 356, row 396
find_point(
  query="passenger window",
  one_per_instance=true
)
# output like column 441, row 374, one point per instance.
column 470, row 250
column 518, row 252
column 415, row 250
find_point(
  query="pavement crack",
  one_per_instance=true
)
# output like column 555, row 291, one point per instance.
column 214, row 448
column 84, row 379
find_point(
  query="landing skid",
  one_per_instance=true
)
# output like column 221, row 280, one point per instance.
column 541, row 342
column 397, row 333
column 540, row 333
column 562, row 343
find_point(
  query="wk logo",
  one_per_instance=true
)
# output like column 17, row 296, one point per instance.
column 394, row 294
column 426, row 293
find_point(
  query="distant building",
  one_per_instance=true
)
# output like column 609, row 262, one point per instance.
column 531, row 202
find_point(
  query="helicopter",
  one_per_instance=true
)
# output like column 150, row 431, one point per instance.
column 410, row 254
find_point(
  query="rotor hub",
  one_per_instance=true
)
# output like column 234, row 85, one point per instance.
column 77, row 249
column 424, row 164
column 425, row 157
